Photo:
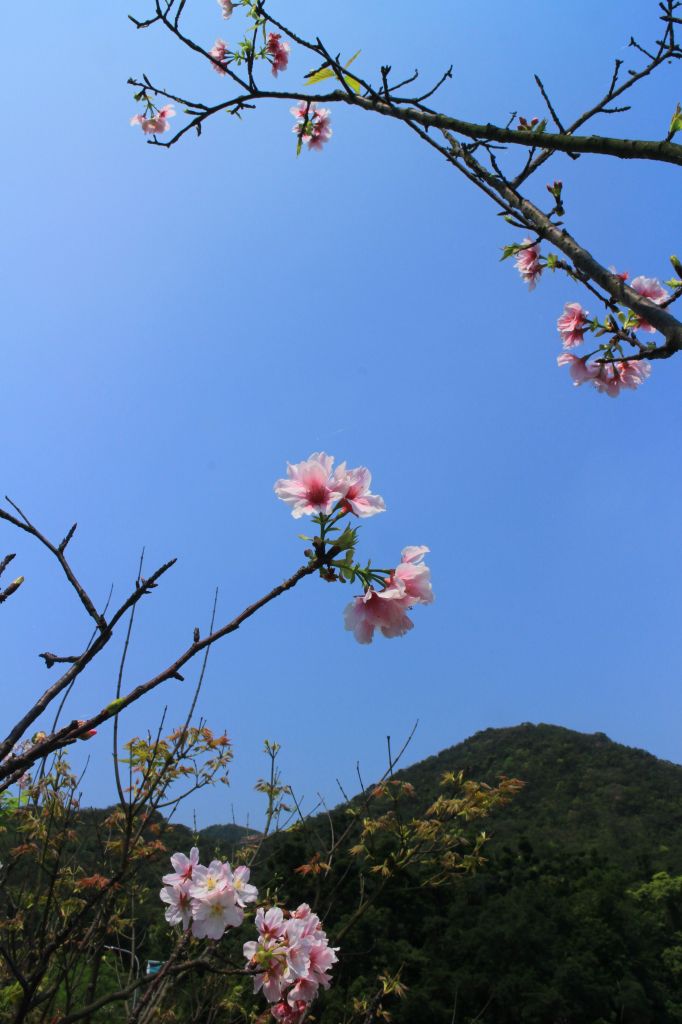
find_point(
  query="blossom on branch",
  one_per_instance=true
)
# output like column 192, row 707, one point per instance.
column 312, row 124
column 219, row 52
column 278, row 51
column 184, row 867
column 214, row 913
column 357, row 496
column 386, row 610
column 206, row 899
column 652, row 289
column 571, row 324
column 227, row 7
column 157, row 124
column 527, row 262
column 291, row 959
column 179, row 904
column 609, row 378
column 309, row 486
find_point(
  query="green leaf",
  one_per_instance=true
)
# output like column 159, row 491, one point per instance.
column 676, row 122
column 510, row 250
column 313, row 77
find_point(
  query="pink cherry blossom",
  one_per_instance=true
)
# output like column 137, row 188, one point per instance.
column 386, row 610
column 310, row 487
column 652, row 289
column 219, row 52
column 268, row 956
column 179, row 904
column 239, row 879
column 312, row 124
column 279, row 52
column 369, row 612
column 607, row 381
column 571, row 324
column 289, row 1014
column 633, row 372
column 158, row 123
column 355, row 483
column 527, row 262
column 579, row 369
column 321, row 129
column 214, row 912
column 300, row 111
column 412, row 577
column 607, row 378
column 205, row 881
column 227, row 7
column 184, row 867
column 270, row 923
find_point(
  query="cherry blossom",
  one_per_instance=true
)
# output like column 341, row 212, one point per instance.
column 571, row 324
column 357, row 496
column 633, row 372
column 652, row 289
column 227, row 7
column 158, row 123
column 214, row 912
column 179, row 904
column 291, row 960
column 321, row 129
column 386, row 610
column 579, row 369
column 310, row 487
column 412, row 578
column 184, row 867
column 208, row 880
column 239, row 880
column 527, row 262
column 288, row 1014
column 219, row 52
column 279, row 52
column 270, row 923
column 607, row 378
column 313, row 124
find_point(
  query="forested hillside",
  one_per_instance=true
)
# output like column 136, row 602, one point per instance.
column 574, row 918
column 549, row 930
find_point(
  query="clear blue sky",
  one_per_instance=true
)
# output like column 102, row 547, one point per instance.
column 170, row 318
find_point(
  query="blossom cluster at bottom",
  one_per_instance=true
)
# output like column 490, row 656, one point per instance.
column 291, row 958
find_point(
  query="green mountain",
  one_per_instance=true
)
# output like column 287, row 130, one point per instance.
column 575, row 918
column 549, row 932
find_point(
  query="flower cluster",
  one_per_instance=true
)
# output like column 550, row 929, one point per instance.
column 156, row 123
column 292, row 959
column 278, row 52
column 314, row 487
column 219, row 53
column 607, row 378
column 227, row 7
column 608, row 374
column 207, row 899
column 311, row 486
column 527, row 262
column 312, row 126
column 386, row 609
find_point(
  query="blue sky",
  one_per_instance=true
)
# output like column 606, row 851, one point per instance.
column 180, row 324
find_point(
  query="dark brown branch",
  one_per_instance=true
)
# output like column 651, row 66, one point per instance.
column 78, row 729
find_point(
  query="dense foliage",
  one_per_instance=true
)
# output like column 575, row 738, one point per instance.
column 576, row 916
